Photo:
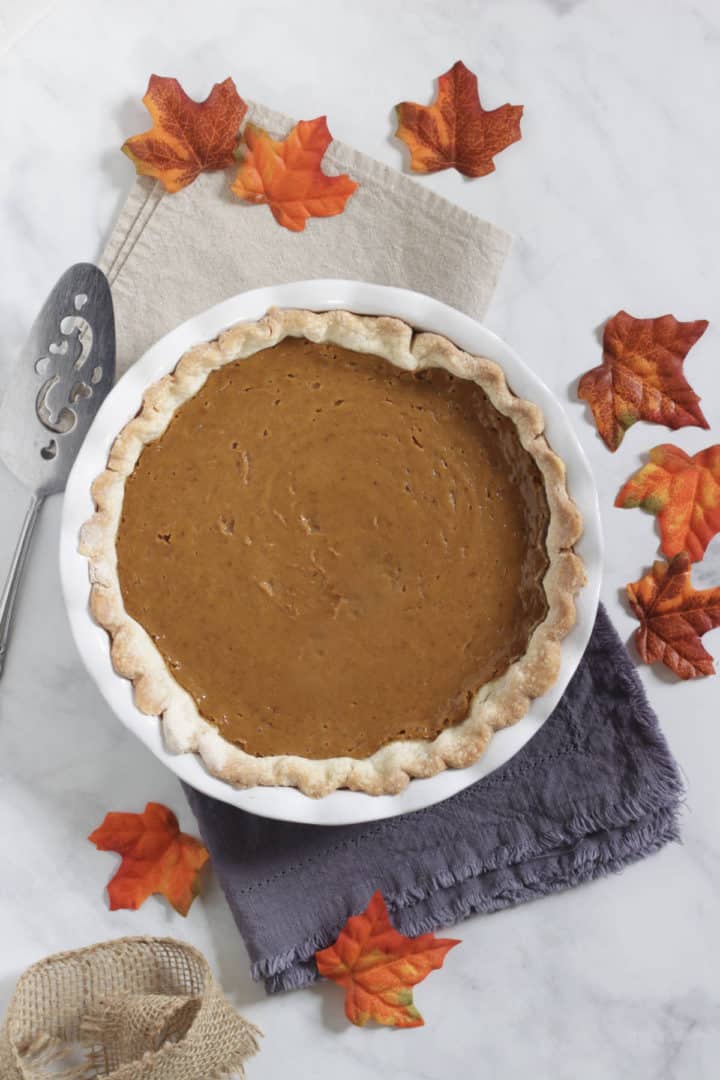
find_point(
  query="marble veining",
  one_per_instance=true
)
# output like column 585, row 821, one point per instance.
column 612, row 195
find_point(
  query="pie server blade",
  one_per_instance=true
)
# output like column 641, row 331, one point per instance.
column 64, row 373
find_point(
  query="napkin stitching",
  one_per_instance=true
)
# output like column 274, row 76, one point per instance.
column 124, row 253
column 392, row 824
column 661, row 826
column 578, row 827
column 372, row 173
column 111, row 273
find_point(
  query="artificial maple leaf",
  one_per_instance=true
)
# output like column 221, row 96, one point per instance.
column 156, row 858
column 287, row 176
column 378, row 966
column 187, row 137
column 684, row 492
column 641, row 376
column 673, row 617
column 455, row 131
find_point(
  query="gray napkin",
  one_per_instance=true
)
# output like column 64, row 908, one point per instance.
column 595, row 789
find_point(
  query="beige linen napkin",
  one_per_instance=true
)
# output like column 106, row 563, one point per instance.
column 171, row 256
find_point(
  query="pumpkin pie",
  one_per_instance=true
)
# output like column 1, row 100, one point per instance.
column 331, row 551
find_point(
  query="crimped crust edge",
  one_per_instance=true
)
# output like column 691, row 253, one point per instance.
column 134, row 655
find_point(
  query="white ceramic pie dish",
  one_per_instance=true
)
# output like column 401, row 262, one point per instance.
column 341, row 807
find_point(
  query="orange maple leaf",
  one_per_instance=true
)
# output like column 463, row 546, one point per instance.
column 455, row 131
column 684, row 492
column 641, row 376
column 287, row 176
column 673, row 617
column 378, row 966
column 187, row 137
column 156, row 858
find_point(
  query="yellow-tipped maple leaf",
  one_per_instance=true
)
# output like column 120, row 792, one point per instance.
column 641, row 376
column 286, row 174
column 378, row 967
column 673, row 617
column 455, row 131
column 156, row 858
column 684, row 492
column 187, row 137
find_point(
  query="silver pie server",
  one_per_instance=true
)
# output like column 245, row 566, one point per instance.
column 64, row 374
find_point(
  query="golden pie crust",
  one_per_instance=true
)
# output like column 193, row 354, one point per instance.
column 497, row 703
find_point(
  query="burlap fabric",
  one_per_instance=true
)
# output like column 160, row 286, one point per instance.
column 131, row 1009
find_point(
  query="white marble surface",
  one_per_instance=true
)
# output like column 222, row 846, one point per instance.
column 612, row 195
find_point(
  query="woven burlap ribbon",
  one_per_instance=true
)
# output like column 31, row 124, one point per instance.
column 131, row 1009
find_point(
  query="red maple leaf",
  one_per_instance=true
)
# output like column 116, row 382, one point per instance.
column 684, row 492
column 287, row 174
column 641, row 376
column 673, row 617
column 156, row 858
column 378, row 967
column 187, row 137
column 455, row 131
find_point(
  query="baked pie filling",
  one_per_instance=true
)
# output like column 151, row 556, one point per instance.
column 331, row 553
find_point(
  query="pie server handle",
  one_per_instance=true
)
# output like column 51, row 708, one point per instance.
column 9, row 593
